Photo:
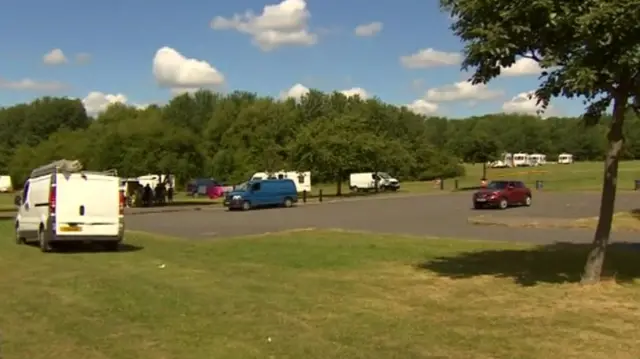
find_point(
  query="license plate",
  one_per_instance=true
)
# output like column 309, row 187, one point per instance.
column 71, row 229
column 481, row 199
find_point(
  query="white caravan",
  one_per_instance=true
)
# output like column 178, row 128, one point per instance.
column 301, row 179
column 565, row 159
column 504, row 162
column 366, row 181
column 5, row 184
column 538, row 159
column 154, row 180
column 521, row 160
column 61, row 202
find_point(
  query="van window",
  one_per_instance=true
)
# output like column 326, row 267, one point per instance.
column 255, row 187
column 25, row 192
column 281, row 176
column 301, row 179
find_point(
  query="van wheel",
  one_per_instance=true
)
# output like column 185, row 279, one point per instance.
column 246, row 206
column 288, row 203
column 111, row 246
column 19, row 240
column 354, row 189
column 45, row 246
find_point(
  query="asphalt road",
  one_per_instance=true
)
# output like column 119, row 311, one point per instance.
column 443, row 215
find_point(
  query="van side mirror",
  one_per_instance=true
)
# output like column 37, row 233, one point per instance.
column 17, row 200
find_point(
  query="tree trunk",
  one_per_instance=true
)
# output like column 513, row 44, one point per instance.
column 339, row 186
column 484, row 170
column 595, row 260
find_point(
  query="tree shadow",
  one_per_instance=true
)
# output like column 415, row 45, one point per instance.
column 470, row 188
column 75, row 248
column 4, row 218
column 560, row 262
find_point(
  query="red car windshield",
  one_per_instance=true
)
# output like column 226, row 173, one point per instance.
column 497, row 185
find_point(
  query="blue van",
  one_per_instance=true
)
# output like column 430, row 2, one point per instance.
column 263, row 193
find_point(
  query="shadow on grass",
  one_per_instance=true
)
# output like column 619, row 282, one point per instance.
column 332, row 195
column 72, row 248
column 466, row 189
column 554, row 263
column 5, row 218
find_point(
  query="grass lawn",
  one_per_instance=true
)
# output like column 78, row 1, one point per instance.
column 315, row 295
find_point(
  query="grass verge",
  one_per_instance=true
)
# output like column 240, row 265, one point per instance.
column 315, row 294
column 622, row 221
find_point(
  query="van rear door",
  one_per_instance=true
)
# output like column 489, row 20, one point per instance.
column 87, row 205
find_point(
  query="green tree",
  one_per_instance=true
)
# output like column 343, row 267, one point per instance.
column 587, row 49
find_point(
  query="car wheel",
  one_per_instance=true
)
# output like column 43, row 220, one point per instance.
column 246, row 206
column 45, row 246
column 288, row 203
column 503, row 204
column 527, row 201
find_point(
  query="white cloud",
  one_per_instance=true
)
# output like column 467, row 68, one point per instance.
column 96, row 102
column 296, row 91
column 173, row 70
column 55, row 57
column 522, row 67
column 430, row 58
column 461, row 91
column 83, row 58
column 278, row 25
column 526, row 103
column 370, row 29
column 356, row 91
column 423, row 107
column 32, row 85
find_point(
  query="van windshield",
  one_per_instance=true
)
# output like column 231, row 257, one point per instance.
column 242, row 186
column 384, row 175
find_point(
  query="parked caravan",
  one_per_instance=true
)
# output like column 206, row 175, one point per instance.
column 61, row 202
column 302, row 180
column 521, row 160
column 5, row 184
column 538, row 159
column 367, row 181
column 565, row 159
column 154, row 180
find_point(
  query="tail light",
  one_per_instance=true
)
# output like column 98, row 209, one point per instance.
column 122, row 200
column 52, row 200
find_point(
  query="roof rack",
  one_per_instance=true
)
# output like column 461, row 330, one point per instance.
column 65, row 166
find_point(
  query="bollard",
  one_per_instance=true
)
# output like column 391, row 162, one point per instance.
column 441, row 184
column 539, row 184
column 320, row 196
column 304, row 196
column 455, row 184
column 636, row 186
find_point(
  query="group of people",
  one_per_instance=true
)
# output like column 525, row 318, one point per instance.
column 145, row 196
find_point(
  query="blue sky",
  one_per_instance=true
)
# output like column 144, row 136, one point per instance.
column 122, row 38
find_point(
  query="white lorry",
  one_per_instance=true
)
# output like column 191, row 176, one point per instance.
column 60, row 203
column 302, row 180
column 366, row 181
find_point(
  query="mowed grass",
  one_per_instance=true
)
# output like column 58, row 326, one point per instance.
column 314, row 295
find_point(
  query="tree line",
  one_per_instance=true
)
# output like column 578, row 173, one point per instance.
column 229, row 137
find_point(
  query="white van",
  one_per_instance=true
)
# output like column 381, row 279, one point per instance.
column 367, row 181
column 61, row 203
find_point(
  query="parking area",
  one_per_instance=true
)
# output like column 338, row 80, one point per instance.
column 442, row 215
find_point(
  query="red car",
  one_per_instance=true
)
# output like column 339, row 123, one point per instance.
column 502, row 194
